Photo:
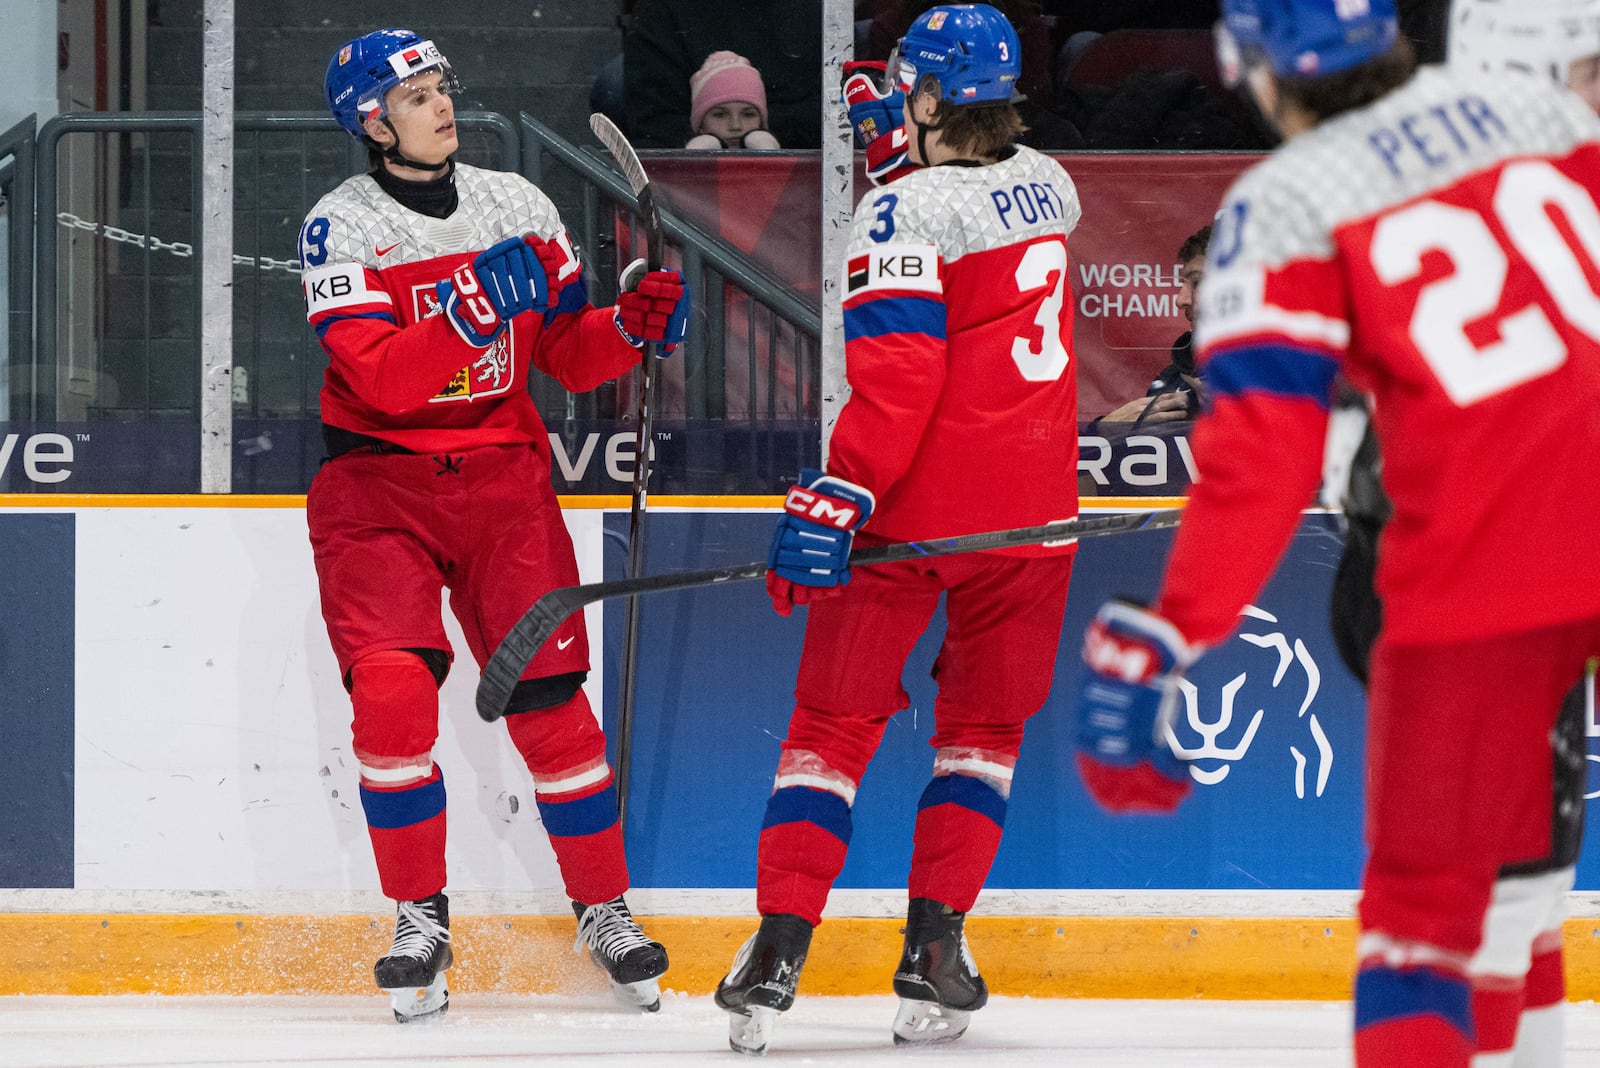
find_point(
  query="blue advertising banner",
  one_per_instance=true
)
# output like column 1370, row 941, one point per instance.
column 586, row 456
column 1275, row 722
column 36, row 718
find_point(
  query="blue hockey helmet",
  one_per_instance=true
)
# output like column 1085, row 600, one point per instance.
column 1302, row 38
column 363, row 71
column 970, row 48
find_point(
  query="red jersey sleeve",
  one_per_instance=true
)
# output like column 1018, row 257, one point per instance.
column 894, row 329
column 393, row 368
column 1271, row 339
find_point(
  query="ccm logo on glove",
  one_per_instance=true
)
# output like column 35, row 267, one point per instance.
column 820, row 508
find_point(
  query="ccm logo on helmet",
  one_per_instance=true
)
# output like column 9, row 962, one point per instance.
column 830, row 511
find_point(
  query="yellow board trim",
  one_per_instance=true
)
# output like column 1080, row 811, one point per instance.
column 1082, row 957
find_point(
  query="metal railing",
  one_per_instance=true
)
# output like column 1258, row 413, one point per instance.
column 16, row 186
column 107, row 331
column 775, row 336
column 48, row 164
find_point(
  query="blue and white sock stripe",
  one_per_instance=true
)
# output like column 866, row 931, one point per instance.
column 1398, row 979
column 393, row 809
column 581, row 816
column 989, row 766
column 801, row 767
column 550, row 787
column 802, row 804
column 967, row 792
column 393, row 772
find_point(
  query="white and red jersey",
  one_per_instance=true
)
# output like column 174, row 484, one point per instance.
column 1441, row 247
column 962, row 415
column 397, row 369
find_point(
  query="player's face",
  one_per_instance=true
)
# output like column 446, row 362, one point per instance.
column 1189, row 282
column 424, row 116
column 731, row 121
column 1583, row 78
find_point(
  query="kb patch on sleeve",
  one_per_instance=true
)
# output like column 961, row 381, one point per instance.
column 339, row 285
column 898, row 267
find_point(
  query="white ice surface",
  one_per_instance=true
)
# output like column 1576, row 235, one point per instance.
column 483, row 1031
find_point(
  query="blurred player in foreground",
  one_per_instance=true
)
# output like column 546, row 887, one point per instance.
column 434, row 286
column 1431, row 235
column 962, row 418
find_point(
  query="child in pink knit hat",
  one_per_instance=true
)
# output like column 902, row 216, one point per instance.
column 728, row 105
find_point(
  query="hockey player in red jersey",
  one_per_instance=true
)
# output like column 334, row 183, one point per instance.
column 435, row 288
column 962, row 418
column 1434, row 236
column 1518, row 989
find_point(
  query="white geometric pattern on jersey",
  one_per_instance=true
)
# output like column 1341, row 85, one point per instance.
column 1331, row 176
column 949, row 207
column 494, row 205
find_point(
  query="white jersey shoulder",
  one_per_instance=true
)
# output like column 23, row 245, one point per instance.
column 970, row 209
column 363, row 224
column 1437, row 129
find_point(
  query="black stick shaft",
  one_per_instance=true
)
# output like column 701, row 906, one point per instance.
column 536, row 626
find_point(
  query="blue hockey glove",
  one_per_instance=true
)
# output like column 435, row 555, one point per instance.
column 878, row 119
column 652, row 306
column 1132, row 661
column 810, row 552
column 503, row 281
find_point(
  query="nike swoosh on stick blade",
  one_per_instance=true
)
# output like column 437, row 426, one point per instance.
column 386, row 251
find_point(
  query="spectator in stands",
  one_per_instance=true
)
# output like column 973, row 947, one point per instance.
column 1176, row 393
column 671, row 39
column 728, row 105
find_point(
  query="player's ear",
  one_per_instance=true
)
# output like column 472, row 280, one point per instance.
column 379, row 131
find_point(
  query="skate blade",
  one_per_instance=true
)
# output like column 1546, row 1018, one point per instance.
column 750, row 1031
column 644, row 995
column 924, row 1022
column 414, row 1004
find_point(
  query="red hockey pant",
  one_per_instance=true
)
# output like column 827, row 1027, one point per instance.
column 994, row 670
column 1459, row 783
column 390, row 534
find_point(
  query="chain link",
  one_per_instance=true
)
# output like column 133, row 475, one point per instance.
column 181, row 249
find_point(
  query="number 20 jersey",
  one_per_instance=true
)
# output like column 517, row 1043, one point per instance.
column 962, row 415
column 1441, row 247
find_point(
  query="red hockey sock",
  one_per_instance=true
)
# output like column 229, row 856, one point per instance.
column 407, row 828
column 804, row 838
column 1496, row 1008
column 1410, row 1016
column 959, row 819
column 587, row 839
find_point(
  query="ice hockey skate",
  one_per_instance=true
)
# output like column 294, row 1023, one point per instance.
column 412, row 972
column 762, row 982
column 633, row 961
column 938, row 983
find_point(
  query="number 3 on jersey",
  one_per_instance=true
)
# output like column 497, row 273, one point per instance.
column 1042, row 357
column 1529, row 345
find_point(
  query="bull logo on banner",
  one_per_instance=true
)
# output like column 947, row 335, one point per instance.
column 1211, row 760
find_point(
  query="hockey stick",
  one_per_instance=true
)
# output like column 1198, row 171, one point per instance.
column 538, row 623
column 621, row 151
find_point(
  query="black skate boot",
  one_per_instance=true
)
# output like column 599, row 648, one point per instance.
column 762, row 982
column 938, row 983
column 617, row 944
column 412, row 972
